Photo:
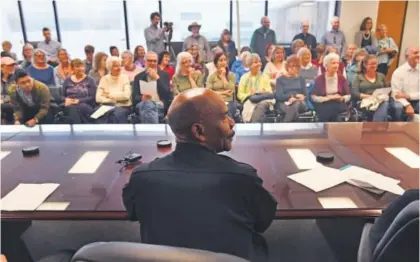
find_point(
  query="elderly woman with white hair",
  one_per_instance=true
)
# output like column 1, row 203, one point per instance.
column 307, row 70
column 296, row 45
column 255, row 91
column 40, row 70
column 27, row 53
column 186, row 77
column 331, row 91
column 114, row 89
column 129, row 68
column 239, row 67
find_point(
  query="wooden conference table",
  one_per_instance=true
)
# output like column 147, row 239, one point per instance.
column 97, row 195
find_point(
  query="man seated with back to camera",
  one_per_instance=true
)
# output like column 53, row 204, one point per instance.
column 331, row 91
column 291, row 91
column 405, row 85
column 196, row 198
column 255, row 91
column 30, row 100
column 114, row 89
column 146, row 105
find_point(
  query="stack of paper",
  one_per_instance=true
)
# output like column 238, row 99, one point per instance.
column 27, row 197
column 323, row 177
column 102, row 110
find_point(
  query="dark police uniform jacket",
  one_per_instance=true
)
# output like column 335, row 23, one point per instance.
column 198, row 199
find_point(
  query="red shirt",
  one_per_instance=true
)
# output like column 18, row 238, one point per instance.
column 170, row 70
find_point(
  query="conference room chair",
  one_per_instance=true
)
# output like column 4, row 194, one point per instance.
column 137, row 252
column 399, row 243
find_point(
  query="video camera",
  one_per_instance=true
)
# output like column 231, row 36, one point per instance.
column 169, row 25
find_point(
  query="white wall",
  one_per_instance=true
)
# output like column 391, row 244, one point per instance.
column 352, row 15
column 411, row 28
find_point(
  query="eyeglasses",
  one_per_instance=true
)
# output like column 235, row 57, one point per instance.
column 151, row 60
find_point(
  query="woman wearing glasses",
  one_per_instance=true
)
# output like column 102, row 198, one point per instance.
column 186, row 77
column 291, row 91
column 40, row 70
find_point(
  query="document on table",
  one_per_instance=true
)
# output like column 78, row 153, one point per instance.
column 371, row 181
column 381, row 91
column 27, row 197
column 303, row 158
column 149, row 88
column 101, row 111
column 319, row 178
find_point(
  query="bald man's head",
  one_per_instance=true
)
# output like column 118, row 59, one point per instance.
column 199, row 115
column 412, row 56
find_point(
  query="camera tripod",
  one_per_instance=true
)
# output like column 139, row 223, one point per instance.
column 169, row 48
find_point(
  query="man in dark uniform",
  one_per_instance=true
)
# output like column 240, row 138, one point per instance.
column 196, row 198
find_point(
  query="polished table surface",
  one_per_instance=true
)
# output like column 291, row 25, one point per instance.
column 264, row 146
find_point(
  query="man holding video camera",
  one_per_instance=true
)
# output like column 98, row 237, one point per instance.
column 155, row 36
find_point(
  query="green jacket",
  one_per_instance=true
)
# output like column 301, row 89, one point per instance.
column 41, row 96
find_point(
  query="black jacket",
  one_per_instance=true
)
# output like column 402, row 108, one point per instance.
column 309, row 40
column 198, row 199
column 163, row 88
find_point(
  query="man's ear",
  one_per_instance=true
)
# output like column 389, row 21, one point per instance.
column 197, row 131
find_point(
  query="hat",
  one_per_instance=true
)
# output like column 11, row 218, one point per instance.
column 193, row 24
column 7, row 61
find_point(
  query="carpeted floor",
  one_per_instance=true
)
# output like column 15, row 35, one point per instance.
column 289, row 241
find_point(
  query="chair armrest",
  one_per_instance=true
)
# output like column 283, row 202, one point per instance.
column 364, row 254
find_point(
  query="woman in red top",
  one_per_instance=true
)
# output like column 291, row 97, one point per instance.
column 163, row 61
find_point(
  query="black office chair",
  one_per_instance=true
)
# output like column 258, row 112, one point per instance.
column 399, row 243
column 136, row 252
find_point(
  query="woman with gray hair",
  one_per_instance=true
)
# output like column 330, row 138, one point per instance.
column 40, row 70
column 307, row 70
column 186, row 77
column 331, row 91
column 114, row 89
column 27, row 52
column 129, row 68
column 296, row 45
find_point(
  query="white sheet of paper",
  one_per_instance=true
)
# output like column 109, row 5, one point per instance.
column 89, row 162
column 27, row 197
column 405, row 155
column 149, row 88
column 381, row 91
column 303, row 158
column 102, row 110
column 53, row 206
column 336, row 202
column 320, row 178
column 3, row 154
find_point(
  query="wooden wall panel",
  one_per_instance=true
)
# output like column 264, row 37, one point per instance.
column 392, row 14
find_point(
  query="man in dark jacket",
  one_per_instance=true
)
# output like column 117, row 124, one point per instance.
column 262, row 37
column 195, row 197
column 308, row 38
column 149, row 105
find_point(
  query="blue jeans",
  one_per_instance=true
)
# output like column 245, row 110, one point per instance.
column 148, row 111
column 400, row 109
column 381, row 114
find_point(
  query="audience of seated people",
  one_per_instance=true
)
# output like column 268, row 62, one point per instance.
column 222, row 81
column 149, row 106
column 364, row 85
column 186, row 76
column 291, row 91
column 114, row 89
column 331, row 91
column 255, row 92
column 192, row 72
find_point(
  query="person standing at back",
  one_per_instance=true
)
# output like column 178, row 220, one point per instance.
column 196, row 198
column 335, row 37
column 155, row 36
column 50, row 47
column 308, row 38
column 263, row 37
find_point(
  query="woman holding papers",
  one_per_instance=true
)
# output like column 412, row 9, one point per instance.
column 79, row 91
column 255, row 91
column 291, row 91
column 186, row 77
column 369, row 87
column 114, row 90
column 331, row 91
column 223, row 82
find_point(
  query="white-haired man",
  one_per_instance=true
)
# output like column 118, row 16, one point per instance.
column 150, row 105
column 308, row 38
column 335, row 37
column 262, row 37
column 405, row 85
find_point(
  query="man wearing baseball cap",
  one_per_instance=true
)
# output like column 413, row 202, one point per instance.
column 197, row 39
column 7, row 79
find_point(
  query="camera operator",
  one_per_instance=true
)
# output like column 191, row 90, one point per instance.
column 155, row 36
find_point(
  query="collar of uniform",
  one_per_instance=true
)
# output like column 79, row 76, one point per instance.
column 191, row 147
